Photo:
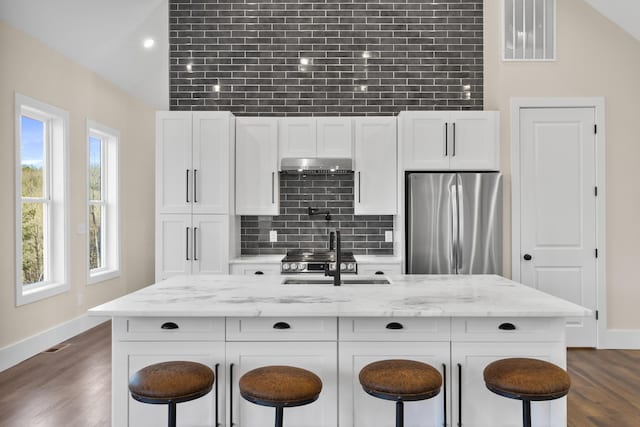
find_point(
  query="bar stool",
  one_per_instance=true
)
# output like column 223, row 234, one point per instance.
column 527, row 380
column 170, row 383
column 280, row 387
column 401, row 381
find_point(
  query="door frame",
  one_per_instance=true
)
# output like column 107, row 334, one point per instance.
column 598, row 104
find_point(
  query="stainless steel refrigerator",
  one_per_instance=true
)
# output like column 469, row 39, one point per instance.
column 454, row 222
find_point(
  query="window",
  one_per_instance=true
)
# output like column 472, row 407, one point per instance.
column 41, row 200
column 102, row 186
column 529, row 30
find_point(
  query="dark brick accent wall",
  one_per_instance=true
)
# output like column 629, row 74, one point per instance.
column 424, row 54
column 362, row 234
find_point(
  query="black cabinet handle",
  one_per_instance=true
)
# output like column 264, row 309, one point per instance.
column 170, row 325
column 195, row 243
column 195, row 186
column 394, row 325
column 444, row 394
column 379, row 272
column 187, row 245
column 231, row 395
column 282, row 325
column 446, row 139
column 459, row 395
column 217, row 380
column 453, row 154
column 507, row 326
column 187, row 190
column 259, row 273
column 527, row 257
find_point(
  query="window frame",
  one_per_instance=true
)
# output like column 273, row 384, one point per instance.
column 55, row 196
column 110, row 184
column 553, row 23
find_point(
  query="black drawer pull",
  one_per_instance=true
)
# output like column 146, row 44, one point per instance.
column 507, row 327
column 379, row 272
column 394, row 325
column 170, row 325
column 258, row 272
column 282, row 325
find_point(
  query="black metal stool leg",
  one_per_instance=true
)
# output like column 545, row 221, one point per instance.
column 172, row 414
column 399, row 413
column 279, row 411
column 526, row 413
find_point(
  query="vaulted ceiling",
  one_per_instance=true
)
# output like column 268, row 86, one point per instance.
column 106, row 36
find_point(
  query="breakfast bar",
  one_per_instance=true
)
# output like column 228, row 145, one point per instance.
column 458, row 324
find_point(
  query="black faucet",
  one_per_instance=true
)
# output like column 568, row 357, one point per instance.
column 334, row 237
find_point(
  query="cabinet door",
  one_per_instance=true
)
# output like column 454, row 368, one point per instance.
column 132, row 356
column 317, row 357
column 211, row 162
column 256, row 269
column 359, row 409
column 210, row 251
column 334, row 137
column 173, row 162
column 481, row 407
column 473, row 140
column 372, row 269
column 423, row 138
column 375, row 166
column 297, row 137
column 174, row 244
column 257, row 188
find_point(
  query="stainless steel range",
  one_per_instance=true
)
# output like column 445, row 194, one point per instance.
column 308, row 261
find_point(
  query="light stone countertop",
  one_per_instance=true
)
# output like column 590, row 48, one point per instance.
column 407, row 296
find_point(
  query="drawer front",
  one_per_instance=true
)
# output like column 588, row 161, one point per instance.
column 371, row 269
column 281, row 329
column 256, row 269
column 394, row 329
column 169, row 329
column 513, row 329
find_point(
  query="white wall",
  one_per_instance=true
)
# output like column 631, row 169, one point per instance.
column 594, row 58
column 33, row 69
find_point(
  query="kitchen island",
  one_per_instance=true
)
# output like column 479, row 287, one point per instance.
column 458, row 324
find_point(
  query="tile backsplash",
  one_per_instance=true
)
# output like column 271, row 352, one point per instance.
column 320, row 57
column 362, row 234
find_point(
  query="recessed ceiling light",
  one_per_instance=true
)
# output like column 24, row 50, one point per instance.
column 148, row 43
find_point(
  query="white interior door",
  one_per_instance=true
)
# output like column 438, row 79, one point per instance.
column 558, row 209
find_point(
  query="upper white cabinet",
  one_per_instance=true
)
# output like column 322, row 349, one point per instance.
column 194, row 162
column 456, row 140
column 375, row 166
column 257, row 180
column 315, row 137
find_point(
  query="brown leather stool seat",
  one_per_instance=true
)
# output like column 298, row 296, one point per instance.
column 280, row 387
column 400, row 380
column 527, row 380
column 170, row 383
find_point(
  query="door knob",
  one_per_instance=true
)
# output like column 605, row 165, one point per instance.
column 527, row 257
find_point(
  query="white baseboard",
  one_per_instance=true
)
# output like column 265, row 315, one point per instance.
column 620, row 339
column 22, row 350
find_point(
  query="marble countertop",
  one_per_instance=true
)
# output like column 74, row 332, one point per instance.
column 407, row 296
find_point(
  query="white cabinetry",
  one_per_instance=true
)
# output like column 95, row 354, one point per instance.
column 257, row 269
column 375, row 166
column 315, row 137
column 379, row 268
column 194, row 201
column 443, row 140
column 257, row 180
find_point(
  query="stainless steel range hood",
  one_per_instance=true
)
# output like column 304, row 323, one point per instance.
column 316, row 165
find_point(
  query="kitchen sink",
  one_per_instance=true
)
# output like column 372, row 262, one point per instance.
column 317, row 281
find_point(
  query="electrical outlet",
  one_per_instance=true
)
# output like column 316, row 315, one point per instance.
column 273, row 236
column 388, row 236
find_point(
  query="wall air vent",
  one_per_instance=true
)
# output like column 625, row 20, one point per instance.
column 529, row 30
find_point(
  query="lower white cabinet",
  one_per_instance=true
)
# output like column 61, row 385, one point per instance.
column 475, row 406
column 372, row 269
column 317, row 357
column 359, row 409
column 257, row 269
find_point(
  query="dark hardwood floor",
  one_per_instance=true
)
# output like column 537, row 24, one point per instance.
column 72, row 387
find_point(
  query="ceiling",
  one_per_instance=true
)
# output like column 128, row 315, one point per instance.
column 106, row 36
